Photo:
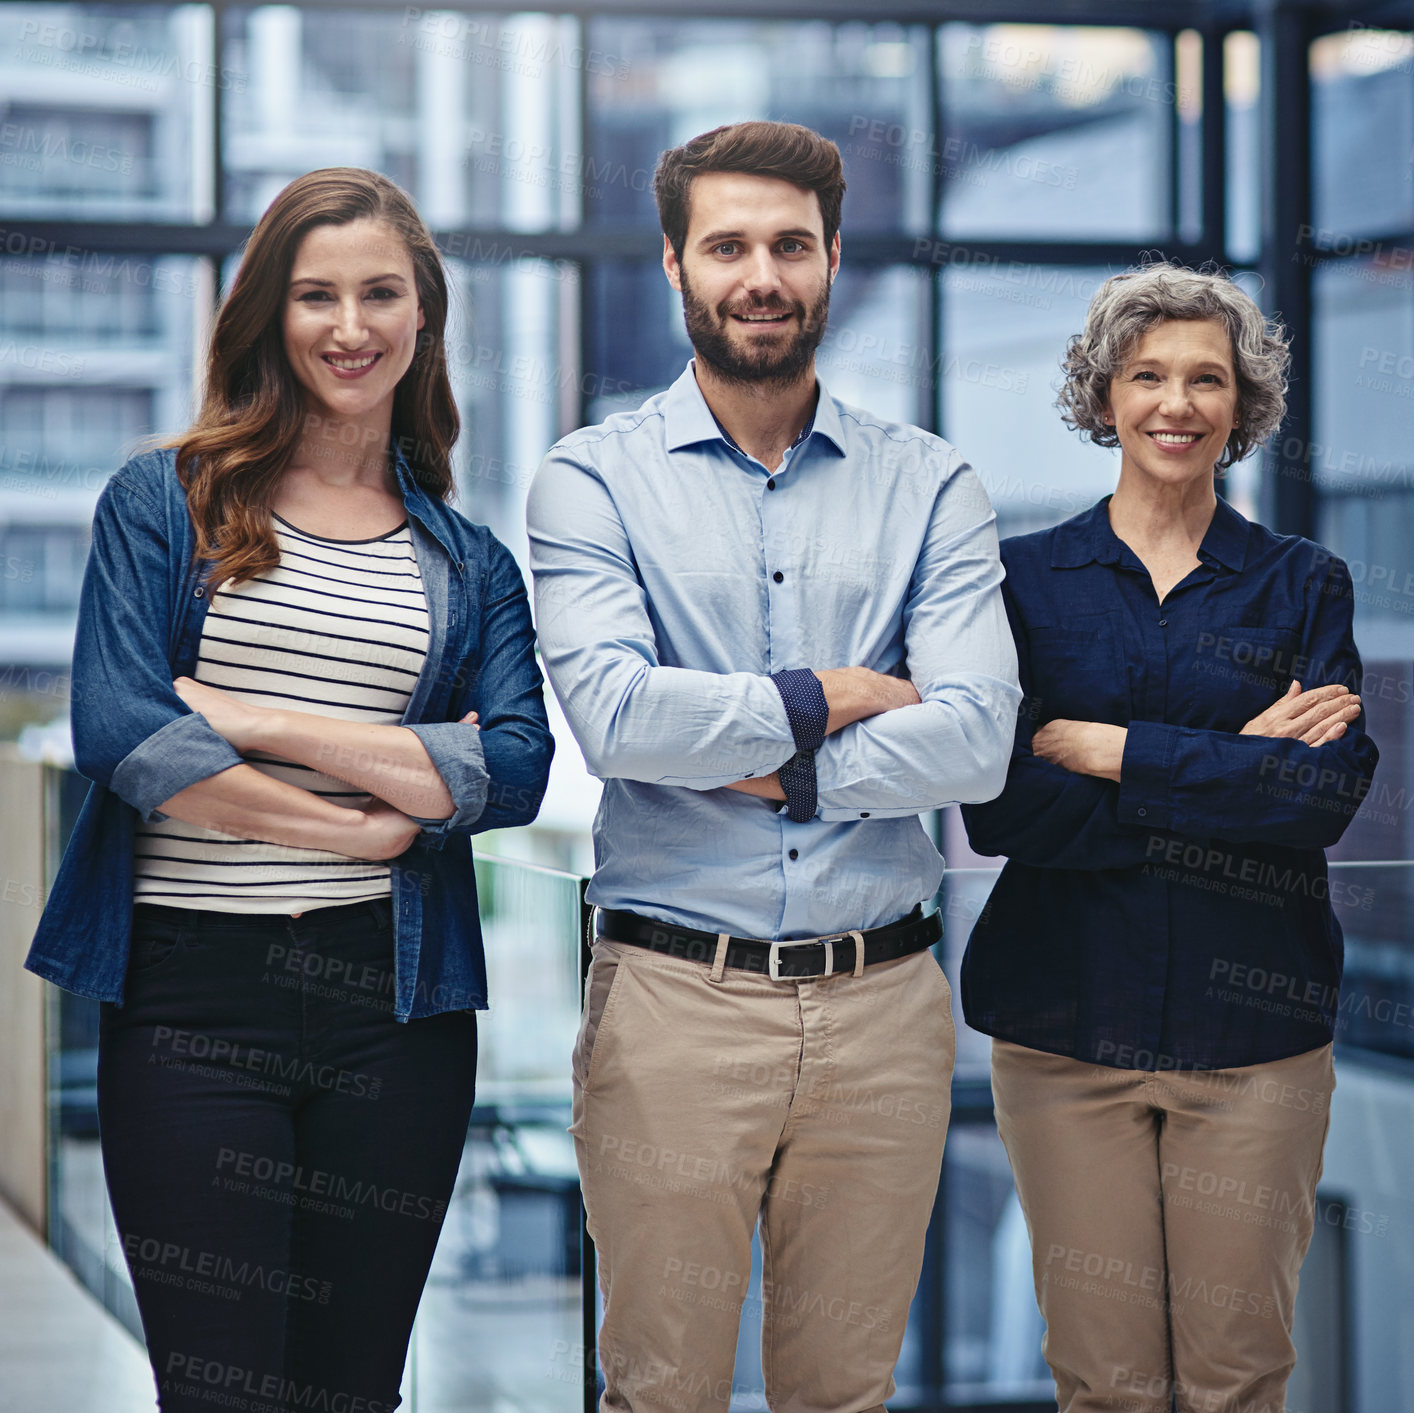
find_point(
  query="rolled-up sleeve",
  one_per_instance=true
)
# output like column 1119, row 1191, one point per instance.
column 496, row 771
column 176, row 755
column 1260, row 789
column 1047, row 816
column 634, row 718
column 455, row 750
column 954, row 745
column 132, row 732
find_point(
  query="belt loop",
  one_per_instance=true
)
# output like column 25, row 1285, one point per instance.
column 719, row 962
column 858, row 950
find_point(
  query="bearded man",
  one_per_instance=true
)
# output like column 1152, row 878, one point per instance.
column 775, row 625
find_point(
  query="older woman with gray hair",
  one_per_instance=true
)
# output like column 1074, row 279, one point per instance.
column 1159, row 964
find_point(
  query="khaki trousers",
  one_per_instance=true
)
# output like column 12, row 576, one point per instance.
column 1169, row 1215
column 819, row 1104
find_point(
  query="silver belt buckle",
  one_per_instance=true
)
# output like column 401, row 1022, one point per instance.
column 773, row 958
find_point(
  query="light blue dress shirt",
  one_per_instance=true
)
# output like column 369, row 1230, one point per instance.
column 674, row 573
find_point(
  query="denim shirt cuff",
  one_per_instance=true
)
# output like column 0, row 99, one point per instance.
column 187, row 749
column 456, row 752
column 1144, row 775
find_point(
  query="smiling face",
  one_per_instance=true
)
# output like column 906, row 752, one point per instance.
column 351, row 318
column 754, row 276
column 1174, row 401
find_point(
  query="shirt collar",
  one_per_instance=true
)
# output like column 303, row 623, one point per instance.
column 1226, row 540
column 688, row 420
column 417, row 502
column 1088, row 538
column 412, row 493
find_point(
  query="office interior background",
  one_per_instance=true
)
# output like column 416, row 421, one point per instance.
column 1002, row 158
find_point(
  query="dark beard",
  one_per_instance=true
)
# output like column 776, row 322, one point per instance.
column 711, row 340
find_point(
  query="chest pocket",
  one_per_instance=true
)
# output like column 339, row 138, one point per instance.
column 1240, row 670
column 1075, row 671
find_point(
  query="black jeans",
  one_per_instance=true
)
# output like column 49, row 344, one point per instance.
column 280, row 1153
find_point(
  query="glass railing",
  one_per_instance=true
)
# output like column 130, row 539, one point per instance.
column 502, row 1313
column 503, row 1320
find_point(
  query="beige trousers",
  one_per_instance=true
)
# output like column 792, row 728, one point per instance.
column 820, row 1105
column 1169, row 1215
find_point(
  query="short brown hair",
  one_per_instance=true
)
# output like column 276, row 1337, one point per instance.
column 1128, row 305
column 786, row 151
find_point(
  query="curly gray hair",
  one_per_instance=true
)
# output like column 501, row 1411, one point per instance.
column 1128, row 305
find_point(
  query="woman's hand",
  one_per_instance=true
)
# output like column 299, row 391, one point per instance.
column 1314, row 717
column 227, row 716
column 1084, row 747
column 383, row 833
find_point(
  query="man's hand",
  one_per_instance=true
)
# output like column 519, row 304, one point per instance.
column 853, row 693
column 764, row 787
column 1314, row 717
column 1083, row 747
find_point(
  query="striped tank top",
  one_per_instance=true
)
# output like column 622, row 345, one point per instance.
column 338, row 628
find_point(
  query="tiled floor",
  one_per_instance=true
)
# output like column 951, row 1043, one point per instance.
column 60, row 1351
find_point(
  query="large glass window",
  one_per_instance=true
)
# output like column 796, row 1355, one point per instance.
column 1005, row 328
column 473, row 113
column 96, row 351
column 993, row 1347
column 70, row 156
column 58, row 300
column 1362, row 102
column 528, row 140
column 40, row 565
column 1242, row 79
column 43, row 419
column 875, row 352
column 105, row 112
column 1363, row 447
column 502, row 1310
column 514, row 379
column 1057, row 131
column 865, row 86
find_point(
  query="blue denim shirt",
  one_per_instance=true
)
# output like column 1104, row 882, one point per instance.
column 140, row 621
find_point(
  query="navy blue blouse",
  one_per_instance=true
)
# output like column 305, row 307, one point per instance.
column 1180, row 918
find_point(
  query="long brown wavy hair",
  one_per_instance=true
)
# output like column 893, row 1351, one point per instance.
column 252, row 413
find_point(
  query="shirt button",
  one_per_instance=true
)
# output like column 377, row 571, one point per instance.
column 779, row 577
column 864, row 814
column 1142, row 812
column 771, row 484
column 1163, row 623
column 198, row 592
column 795, row 853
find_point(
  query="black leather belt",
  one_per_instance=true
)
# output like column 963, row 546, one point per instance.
column 821, row 956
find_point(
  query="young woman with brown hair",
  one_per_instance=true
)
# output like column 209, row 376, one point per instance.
column 301, row 681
